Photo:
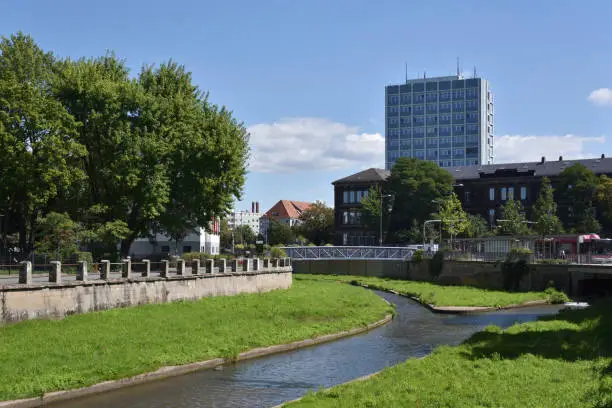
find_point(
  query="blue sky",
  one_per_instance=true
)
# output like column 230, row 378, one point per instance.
column 308, row 77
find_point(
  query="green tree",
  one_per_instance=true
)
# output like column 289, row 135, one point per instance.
column 57, row 234
column 415, row 184
column 544, row 211
column 454, row 219
column 575, row 194
column 280, row 234
column 477, row 227
column 244, row 234
column 225, row 236
column 370, row 208
column 603, row 196
column 40, row 156
column 317, row 223
column 513, row 219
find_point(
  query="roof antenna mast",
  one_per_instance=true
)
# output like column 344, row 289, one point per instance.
column 475, row 75
column 458, row 66
column 406, row 70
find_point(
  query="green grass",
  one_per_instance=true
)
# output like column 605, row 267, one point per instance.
column 39, row 356
column 559, row 361
column 439, row 295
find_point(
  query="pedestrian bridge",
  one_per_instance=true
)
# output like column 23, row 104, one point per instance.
column 349, row 252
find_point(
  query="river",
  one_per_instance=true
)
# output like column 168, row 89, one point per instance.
column 271, row 380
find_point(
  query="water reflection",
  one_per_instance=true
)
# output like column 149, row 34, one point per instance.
column 269, row 381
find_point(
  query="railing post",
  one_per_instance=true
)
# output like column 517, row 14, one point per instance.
column 126, row 271
column 210, row 263
column 25, row 272
column 165, row 268
column 147, row 271
column 195, row 267
column 55, row 273
column 104, row 269
column 180, row 267
column 234, row 265
column 82, row 271
column 222, row 265
column 246, row 265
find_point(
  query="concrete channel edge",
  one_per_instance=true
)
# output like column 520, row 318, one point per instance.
column 173, row 371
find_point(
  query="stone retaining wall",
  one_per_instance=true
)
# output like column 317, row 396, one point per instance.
column 55, row 300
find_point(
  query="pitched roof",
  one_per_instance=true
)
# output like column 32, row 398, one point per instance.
column 369, row 175
column 539, row 169
column 287, row 209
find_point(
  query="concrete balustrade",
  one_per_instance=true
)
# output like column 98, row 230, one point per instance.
column 104, row 269
column 234, row 265
column 25, row 272
column 180, row 267
column 195, row 267
column 246, row 265
column 55, row 273
column 222, row 265
column 165, row 270
column 210, row 264
column 147, row 268
column 255, row 264
column 126, row 271
column 266, row 263
column 82, row 271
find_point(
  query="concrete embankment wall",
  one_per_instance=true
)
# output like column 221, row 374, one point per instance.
column 572, row 279
column 48, row 300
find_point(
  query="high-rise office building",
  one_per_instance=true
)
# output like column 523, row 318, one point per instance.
column 448, row 120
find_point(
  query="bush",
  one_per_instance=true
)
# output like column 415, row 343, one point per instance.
column 418, row 255
column 436, row 264
column 190, row 256
column 83, row 256
column 555, row 296
column 277, row 252
column 553, row 261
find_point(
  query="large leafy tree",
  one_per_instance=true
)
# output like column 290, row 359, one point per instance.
column 280, row 234
column 57, row 234
column 513, row 220
column 39, row 152
column 415, row 185
column 544, row 212
column 603, row 196
column 477, row 226
column 244, row 234
column 575, row 195
column 317, row 223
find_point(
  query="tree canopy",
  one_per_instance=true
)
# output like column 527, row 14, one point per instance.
column 575, row 195
column 122, row 155
column 415, row 185
column 454, row 220
column 513, row 220
column 544, row 212
column 280, row 234
column 317, row 223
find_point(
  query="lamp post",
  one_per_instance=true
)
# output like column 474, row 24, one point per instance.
column 424, row 224
column 380, row 237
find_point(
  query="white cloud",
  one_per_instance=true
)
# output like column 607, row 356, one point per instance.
column 601, row 96
column 517, row 148
column 298, row 144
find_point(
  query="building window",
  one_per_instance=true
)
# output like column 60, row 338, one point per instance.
column 186, row 249
column 491, row 216
column 165, row 249
column 345, row 197
column 352, row 197
column 510, row 193
column 503, row 192
column 523, row 193
column 492, row 194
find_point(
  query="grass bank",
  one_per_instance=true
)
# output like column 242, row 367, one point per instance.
column 558, row 361
column 439, row 295
column 39, row 356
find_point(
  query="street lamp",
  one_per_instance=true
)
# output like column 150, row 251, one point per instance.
column 380, row 237
column 424, row 224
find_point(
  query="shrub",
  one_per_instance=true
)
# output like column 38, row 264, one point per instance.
column 190, row 256
column 277, row 252
column 555, row 296
column 84, row 256
column 436, row 264
column 418, row 255
column 514, row 268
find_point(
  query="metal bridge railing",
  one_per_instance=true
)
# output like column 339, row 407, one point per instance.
column 341, row 252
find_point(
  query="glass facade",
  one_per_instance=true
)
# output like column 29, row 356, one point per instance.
column 440, row 119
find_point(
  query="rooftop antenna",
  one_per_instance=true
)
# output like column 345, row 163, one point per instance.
column 475, row 75
column 406, row 70
column 424, row 74
column 458, row 70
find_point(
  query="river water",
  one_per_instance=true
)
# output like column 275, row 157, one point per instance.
column 271, row 380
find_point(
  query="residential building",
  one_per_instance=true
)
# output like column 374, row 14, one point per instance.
column 482, row 189
column 161, row 245
column 286, row 212
column 250, row 218
column 448, row 120
column 348, row 193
